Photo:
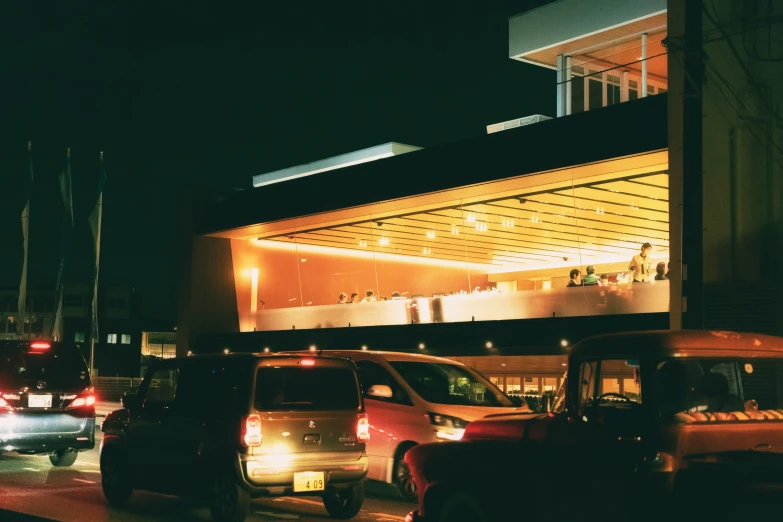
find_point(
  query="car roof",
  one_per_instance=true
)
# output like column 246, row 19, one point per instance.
column 391, row 356
column 245, row 356
column 681, row 343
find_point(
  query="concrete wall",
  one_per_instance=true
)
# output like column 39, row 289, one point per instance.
column 207, row 298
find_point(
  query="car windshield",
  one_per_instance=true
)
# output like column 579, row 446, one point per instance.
column 292, row 388
column 58, row 365
column 441, row 383
column 720, row 389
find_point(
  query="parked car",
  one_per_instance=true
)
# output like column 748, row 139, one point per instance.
column 227, row 428
column 650, row 425
column 413, row 399
column 47, row 404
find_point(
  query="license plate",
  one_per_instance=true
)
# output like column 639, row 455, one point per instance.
column 39, row 401
column 308, row 481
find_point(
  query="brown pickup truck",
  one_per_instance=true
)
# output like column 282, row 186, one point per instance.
column 647, row 426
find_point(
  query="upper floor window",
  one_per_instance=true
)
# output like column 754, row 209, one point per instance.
column 111, row 338
column 125, row 339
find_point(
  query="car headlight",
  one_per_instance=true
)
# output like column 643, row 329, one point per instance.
column 446, row 421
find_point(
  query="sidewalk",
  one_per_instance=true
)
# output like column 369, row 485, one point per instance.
column 102, row 408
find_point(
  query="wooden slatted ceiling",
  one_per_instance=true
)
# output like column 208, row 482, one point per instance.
column 592, row 221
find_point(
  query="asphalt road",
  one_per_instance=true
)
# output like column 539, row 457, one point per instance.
column 31, row 489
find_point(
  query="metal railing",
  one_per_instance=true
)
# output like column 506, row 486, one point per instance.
column 537, row 403
column 113, row 388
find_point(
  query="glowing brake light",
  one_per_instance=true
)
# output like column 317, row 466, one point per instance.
column 363, row 428
column 80, row 402
column 3, row 403
column 251, row 435
column 40, row 346
column 308, row 362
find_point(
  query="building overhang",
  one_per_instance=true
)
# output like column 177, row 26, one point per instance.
column 332, row 197
column 576, row 27
column 386, row 150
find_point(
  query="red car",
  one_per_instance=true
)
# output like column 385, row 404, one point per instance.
column 649, row 425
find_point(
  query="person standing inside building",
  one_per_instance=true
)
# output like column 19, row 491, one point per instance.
column 641, row 266
column 369, row 297
column 343, row 298
column 354, row 296
column 576, row 278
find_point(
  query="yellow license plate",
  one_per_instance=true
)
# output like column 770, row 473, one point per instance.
column 308, row 481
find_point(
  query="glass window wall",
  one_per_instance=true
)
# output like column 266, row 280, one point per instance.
column 590, row 240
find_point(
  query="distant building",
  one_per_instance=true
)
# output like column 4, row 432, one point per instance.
column 159, row 344
column 118, row 347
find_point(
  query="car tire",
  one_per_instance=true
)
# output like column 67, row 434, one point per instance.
column 344, row 503
column 460, row 507
column 115, row 477
column 63, row 458
column 402, row 477
column 228, row 501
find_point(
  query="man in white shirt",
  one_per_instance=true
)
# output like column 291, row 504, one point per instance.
column 641, row 266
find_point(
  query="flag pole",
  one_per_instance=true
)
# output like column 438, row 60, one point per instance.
column 98, row 212
column 65, row 246
column 22, row 302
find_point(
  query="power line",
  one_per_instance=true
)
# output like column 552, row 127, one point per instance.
column 740, row 61
column 728, row 86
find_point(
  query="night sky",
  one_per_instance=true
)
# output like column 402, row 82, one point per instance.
column 189, row 92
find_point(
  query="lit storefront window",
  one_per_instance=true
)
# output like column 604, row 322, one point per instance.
column 513, row 386
column 531, row 386
column 549, row 384
column 610, row 386
column 497, row 381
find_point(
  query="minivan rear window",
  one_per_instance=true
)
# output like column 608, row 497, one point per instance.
column 61, row 365
column 293, row 388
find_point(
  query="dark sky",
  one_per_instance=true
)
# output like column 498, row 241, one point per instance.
column 182, row 92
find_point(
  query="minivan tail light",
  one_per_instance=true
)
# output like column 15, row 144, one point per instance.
column 308, row 362
column 40, row 346
column 362, row 428
column 251, row 432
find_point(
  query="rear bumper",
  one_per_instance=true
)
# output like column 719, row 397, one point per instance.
column 339, row 471
column 44, row 433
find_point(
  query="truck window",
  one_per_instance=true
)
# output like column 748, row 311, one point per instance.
column 620, row 381
column 736, row 389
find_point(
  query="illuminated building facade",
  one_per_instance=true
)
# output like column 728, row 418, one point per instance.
column 470, row 248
